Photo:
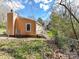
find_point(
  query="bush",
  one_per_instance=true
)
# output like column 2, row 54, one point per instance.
column 52, row 32
column 62, row 42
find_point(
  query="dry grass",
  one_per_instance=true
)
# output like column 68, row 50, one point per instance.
column 4, row 55
column 21, row 48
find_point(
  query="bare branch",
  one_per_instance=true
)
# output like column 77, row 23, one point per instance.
column 69, row 11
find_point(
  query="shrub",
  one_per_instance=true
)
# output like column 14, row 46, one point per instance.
column 62, row 43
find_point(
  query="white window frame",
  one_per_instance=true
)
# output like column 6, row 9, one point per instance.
column 26, row 27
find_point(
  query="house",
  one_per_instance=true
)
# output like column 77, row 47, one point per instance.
column 39, row 28
column 17, row 26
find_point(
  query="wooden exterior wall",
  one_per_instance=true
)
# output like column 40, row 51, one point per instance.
column 11, row 17
column 20, row 25
column 10, row 23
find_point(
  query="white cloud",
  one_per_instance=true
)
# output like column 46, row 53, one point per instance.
column 45, row 7
column 43, row 1
column 43, row 4
column 46, row 1
column 15, row 5
column 37, row 1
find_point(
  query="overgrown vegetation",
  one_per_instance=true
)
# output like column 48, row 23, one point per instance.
column 60, row 29
column 2, row 27
column 20, row 49
column 63, row 29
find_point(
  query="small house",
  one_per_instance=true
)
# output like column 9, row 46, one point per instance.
column 17, row 26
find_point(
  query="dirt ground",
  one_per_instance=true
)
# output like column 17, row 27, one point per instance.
column 5, row 37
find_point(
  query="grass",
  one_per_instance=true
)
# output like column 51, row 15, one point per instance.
column 23, row 49
column 2, row 30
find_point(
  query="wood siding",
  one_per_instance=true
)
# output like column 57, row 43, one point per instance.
column 20, row 26
column 18, row 23
column 10, row 23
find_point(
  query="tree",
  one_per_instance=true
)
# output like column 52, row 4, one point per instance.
column 69, row 11
column 68, row 22
column 40, row 20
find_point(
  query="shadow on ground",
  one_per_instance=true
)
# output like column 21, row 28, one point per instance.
column 4, row 36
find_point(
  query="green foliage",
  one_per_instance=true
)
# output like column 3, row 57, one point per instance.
column 49, row 33
column 2, row 25
column 2, row 30
column 62, row 27
column 29, row 48
column 52, row 32
column 40, row 20
column 22, row 49
column 62, row 42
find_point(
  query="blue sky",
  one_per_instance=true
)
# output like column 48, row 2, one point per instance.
column 32, row 8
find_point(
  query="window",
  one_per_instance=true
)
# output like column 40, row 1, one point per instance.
column 28, row 27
